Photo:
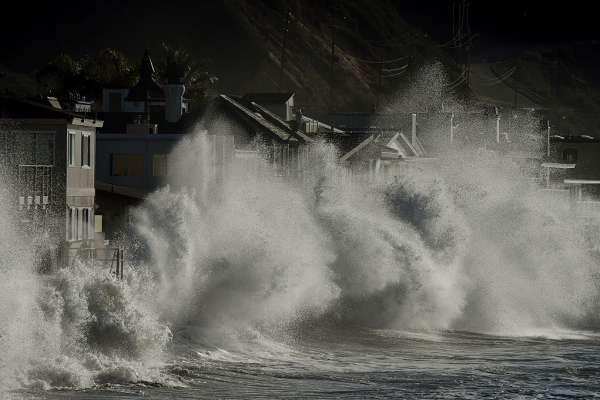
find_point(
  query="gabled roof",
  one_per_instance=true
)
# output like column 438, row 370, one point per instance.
column 272, row 117
column 146, row 89
column 368, row 122
column 574, row 139
column 386, row 145
column 358, row 148
column 268, row 97
column 256, row 118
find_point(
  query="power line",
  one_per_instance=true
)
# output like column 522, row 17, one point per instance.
column 391, row 61
column 392, row 70
column 395, row 75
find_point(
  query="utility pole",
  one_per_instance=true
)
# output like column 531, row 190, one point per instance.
column 452, row 128
column 468, row 44
column 548, row 139
column 379, row 84
column 497, row 126
column 332, row 62
column 286, row 28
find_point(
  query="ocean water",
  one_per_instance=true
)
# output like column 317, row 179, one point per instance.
column 379, row 364
column 455, row 278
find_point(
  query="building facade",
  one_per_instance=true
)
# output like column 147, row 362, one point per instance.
column 47, row 155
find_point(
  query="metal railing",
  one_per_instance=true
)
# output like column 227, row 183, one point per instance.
column 110, row 257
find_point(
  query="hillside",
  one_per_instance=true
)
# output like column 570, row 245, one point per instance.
column 368, row 39
column 287, row 45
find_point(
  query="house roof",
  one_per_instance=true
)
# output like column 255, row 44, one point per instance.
column 385, row 145
column 272, row 117
column 13, row 108
column 358, row 148
column 268, row 97
column 574, row 139
column 256, row 118
column 368, row 122
column 146, row 89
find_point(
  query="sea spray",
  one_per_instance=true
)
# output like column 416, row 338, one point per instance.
column 74, row 328
column 239, row 251
column 463, row 242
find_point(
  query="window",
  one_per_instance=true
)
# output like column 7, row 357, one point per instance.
column 25, row 143
column 570, row 156
column 76, row 225
column 69, row 223
column 85, row 223
column 73, row 223
column 79, row 223
column 135, row 165
column 118, row 165
column 33, row 148
column 45, row 149
column 71, row 148
column 85, row 150
column 160, row 166
column 127, row 165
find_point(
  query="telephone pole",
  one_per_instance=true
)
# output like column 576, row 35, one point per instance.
column 284, row 39
column 332, row 61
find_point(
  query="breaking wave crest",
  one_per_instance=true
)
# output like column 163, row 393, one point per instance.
column 465, row 242
column 76, row 328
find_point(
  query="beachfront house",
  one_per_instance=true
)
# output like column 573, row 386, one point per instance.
column 47, row 155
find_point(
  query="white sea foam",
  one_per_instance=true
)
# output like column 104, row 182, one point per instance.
column 73, row 329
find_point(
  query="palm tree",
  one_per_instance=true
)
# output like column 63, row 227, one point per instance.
column 179, row 66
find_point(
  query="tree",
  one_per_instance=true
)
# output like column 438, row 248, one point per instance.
column 177, row 65
column 61, row 74
column 64, row 74
column 109, row 67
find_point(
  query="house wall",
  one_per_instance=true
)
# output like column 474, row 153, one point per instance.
column 80, row 178
column 79, row 161
column 39, row 182
column 146, row 146
column 124, row 106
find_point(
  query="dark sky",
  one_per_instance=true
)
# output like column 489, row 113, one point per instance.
column 31, row 33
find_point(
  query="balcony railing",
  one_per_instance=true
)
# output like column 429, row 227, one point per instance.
column 35, row 186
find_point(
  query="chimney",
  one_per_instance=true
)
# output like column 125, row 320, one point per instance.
column 173, row 101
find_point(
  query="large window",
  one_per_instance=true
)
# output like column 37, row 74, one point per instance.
column 69, row 223
column 127, row 165
column 79, row 223
column 71, row 148
column 44, row 149
column 160, row 165
column 85, row 223
column 73, row 223
column 85, row 150
column 34, row 148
